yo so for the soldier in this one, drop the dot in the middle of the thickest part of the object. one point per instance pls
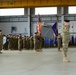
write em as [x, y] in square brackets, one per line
[4, 42]
[23, 38]
[65, 40]
[36, 42]
[25, 41]
[59, 42]
[7, 42]
[1, 41]
[20, 42]
[10, 42]
[41, 41]
[16, 39]
[31, 43]
[28, 43]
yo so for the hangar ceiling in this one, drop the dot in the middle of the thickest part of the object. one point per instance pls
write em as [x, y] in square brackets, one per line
[35, 3]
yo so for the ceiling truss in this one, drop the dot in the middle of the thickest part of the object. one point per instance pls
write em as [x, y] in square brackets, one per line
[35, 3]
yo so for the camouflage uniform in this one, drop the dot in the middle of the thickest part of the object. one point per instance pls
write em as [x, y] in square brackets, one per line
[59, 42]
[20, 43]
[7, 42]
[10, 42]
[65, 41]
[31, 43]
[28, 43]
[1, 42]
[36, 42]
[23, 42]
[16, 42]
[41, 41]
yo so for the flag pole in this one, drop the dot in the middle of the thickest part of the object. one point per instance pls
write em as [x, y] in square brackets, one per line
[46, 32]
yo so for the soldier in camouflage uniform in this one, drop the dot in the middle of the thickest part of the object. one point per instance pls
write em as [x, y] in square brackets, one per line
[28, 43]
[1, 41]
[65, 40]
[25, 42]
[31, 43]
[23, 38]
[20, 42]
[10, 42]
[40, 42]
[36, 42]
[59, 42]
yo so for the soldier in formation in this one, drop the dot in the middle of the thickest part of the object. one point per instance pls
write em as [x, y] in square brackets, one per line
[1, 41]
[31, 43]
[20, 42]
[38, 42]
[59, 42]
[17, 42]
[65, 40]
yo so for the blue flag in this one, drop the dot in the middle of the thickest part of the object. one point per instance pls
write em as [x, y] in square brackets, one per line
[72, 39]
[75, 39]
[55, 40]
[55, 29]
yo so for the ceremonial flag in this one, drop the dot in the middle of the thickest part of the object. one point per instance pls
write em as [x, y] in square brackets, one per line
[39, 26]
[55, 29]
[72, 39]
[75, 40]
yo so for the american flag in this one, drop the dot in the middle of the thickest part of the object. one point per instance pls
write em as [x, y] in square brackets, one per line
[39, 26]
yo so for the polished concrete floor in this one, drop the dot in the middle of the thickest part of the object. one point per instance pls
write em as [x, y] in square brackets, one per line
[48, 62]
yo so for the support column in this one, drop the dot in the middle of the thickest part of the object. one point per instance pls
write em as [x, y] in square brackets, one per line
[32, 11]
[29, 22]
[66, 10]
[58, 10]
[62, 15]
[25, 11]
[33, 25]
[62, 12]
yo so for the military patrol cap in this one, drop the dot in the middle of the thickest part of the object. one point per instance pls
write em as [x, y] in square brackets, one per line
[66, 23]
[67, 20]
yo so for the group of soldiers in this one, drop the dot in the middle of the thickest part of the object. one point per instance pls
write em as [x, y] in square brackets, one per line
[17, 42]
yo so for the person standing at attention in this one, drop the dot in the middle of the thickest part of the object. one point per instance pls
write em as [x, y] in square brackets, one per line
[65, 40]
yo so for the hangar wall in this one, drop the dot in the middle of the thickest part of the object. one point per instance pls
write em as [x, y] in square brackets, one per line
[50, 20]
[21, 22]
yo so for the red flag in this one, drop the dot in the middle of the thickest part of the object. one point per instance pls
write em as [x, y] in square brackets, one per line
[39, 26]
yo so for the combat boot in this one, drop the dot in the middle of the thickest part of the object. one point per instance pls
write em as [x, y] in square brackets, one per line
[0, 52]
[59, 50]
[65, 59]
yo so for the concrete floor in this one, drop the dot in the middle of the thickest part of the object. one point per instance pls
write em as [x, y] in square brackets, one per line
[48, 62]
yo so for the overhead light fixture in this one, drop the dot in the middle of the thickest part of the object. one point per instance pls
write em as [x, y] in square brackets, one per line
[11, 3]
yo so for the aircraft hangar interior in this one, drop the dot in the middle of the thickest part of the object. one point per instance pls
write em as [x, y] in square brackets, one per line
[37, 37]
